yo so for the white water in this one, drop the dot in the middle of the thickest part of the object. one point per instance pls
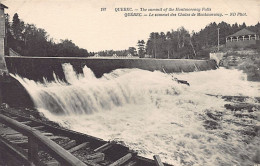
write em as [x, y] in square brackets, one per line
[152, 114]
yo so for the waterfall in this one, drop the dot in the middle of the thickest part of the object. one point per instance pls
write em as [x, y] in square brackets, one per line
[153, 114]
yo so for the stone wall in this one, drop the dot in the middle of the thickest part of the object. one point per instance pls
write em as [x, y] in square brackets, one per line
[241, 43]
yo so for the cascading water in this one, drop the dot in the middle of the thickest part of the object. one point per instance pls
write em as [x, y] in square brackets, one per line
[152, 114]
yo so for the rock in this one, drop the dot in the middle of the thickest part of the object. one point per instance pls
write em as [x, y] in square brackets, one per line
[239, 115]
[214, 116]
[4, 106]
[251, 133]
[256, 158]
[236, 98]
[244, 157]
[210, 124]
[242, 106]
[257, 128]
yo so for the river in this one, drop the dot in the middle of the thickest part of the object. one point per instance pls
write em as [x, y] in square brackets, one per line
[153, 114]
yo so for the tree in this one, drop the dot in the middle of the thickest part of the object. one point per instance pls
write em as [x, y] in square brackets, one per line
[235, 28]
[141, 50]
[243, 25]
[17, 27]
[168, 43]
[183, 34]
[9, 40]
[132, 50]
[28, 40]
[191, 43]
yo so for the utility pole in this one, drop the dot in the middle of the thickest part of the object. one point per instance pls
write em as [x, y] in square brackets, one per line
[218, 39]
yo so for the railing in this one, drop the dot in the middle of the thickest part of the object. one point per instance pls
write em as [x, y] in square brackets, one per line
[36, 139]
[241, 39]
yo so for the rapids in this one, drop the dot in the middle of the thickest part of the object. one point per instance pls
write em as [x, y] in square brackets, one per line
[153, 114]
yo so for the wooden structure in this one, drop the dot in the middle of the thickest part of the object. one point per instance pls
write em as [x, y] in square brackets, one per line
[30, 142]
[158, 160]
[3, 68]
[36, 139]
[242, 38]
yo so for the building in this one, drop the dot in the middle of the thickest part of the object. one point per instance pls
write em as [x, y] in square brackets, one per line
[242, 38]
[2, 39]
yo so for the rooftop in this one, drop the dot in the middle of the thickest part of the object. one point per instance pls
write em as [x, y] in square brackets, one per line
[242, 32]
[2, 6]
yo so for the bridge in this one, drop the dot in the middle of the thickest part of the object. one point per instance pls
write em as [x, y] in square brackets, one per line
[27, 141]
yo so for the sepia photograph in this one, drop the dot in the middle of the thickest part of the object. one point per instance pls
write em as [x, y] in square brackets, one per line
[129, 83]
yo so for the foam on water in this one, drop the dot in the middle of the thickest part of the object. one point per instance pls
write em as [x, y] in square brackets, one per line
[152, 114]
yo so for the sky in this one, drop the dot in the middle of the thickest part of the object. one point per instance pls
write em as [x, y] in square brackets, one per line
[83, 22]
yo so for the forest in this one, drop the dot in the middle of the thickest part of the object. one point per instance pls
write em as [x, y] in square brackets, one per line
[181, 43]
[28, 40]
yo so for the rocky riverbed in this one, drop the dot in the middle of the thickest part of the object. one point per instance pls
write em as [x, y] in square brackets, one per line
[249, 63]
